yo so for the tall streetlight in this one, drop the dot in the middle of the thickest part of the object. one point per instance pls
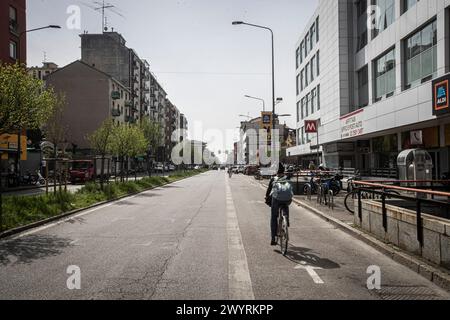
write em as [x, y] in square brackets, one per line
[52, 26]
[255, 98]
[19, 147]
[273, 68]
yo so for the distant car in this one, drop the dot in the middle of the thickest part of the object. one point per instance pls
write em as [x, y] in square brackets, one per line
[159, 167]
[197, 168]
[171, 167]
[250, 170]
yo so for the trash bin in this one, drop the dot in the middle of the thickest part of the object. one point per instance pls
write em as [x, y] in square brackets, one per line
[415, 165]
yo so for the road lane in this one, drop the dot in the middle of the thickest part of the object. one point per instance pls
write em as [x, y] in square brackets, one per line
[338, 259]
[200, 238]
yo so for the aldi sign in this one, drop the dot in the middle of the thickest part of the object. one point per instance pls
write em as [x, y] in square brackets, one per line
[441, 96]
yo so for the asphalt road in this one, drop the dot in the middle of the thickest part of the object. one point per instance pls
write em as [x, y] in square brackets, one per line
[206, 237]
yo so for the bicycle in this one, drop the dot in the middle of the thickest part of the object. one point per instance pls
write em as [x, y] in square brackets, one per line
[283, 228]
[364, 195]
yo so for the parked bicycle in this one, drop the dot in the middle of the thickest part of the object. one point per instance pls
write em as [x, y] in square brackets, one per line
[349, 200]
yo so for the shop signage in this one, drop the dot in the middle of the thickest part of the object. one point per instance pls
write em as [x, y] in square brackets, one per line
[311, 126]
[416, 138]
[441, 96]
[352, 124]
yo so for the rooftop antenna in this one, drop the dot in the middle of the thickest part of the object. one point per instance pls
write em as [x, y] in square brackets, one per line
[103, 7]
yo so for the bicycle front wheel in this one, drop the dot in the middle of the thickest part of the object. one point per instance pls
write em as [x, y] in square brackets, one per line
[349, 202]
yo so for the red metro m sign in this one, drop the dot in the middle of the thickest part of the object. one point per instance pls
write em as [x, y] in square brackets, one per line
[311, 126]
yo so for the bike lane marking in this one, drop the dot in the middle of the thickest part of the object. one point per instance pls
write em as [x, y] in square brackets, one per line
[239, 281]
[311, 271]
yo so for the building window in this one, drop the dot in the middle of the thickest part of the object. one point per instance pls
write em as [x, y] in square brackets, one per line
[384, 74]
[307, 45]
[318, 97]
[317, 29]
[302, 107]
[13, 50]
[361, 10]
[421, 55]
[313, 67]
[302, 80]
[312, 38]
[387, 15]
[297, 58]
[307, 100]
[363, 87]
[306, 75]
[313, 100]
[317, 63]
[408, 4]
[298, 111]
[13, 25]
[302, 51]
[298, 84]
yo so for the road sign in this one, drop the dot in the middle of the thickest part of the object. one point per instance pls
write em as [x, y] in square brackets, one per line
[311, 126]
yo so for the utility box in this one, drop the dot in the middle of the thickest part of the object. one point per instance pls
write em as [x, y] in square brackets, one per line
[415, 165]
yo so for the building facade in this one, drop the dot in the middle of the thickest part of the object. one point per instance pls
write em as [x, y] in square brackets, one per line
[368, 80]
[13, 39]
[92, 97]
[108, 52]
[41, 72]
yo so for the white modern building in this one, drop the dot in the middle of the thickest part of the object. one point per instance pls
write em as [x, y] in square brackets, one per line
[368, 76]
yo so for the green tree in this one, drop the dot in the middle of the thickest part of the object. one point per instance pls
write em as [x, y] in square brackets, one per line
[100, 141]
[127, 141]
[153, 135]
[24, 103]
[55, 132]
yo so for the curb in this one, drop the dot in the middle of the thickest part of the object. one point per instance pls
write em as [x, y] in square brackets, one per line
[434, 274]
[15, 231]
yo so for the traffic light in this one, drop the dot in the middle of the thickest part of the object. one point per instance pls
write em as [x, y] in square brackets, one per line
[266, 124]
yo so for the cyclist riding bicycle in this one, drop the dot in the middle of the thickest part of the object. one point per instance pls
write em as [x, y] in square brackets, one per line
[279, 193]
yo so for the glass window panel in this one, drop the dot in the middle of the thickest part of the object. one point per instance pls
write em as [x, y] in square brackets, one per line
[427, 63]
[415, 68]
[390, 81]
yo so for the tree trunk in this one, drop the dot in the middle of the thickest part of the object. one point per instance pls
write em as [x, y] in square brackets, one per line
[102, 172]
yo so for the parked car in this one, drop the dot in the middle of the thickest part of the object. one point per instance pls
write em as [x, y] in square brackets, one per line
[159, 167]
[250, 170]
[171, 167]
[85, 170]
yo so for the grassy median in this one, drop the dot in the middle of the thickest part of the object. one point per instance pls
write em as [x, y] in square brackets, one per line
[22, 210]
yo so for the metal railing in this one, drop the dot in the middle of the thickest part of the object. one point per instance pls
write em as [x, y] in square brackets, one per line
[382, 191]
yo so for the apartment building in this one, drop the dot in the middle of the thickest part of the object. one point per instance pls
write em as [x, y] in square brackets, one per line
[92, 96]
[41, 72]
[368, 77]
[13, 39]
[108, 52]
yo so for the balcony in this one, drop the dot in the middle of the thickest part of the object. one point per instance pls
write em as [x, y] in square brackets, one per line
[115, 112]
[128, 104]
[115, 95]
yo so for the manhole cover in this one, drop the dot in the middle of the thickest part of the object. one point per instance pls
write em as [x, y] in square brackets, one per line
[406, 293]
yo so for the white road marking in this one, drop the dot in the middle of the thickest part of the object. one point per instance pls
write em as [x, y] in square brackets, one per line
[148, 244]
[311, 271]
[239, 281]
[74, 242]
[123, 219]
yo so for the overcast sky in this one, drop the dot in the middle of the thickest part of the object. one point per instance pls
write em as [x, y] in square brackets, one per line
[205, 64]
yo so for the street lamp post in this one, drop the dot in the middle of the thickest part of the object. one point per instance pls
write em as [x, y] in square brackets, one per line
[273, 70]
[19, 147]
[255, 98]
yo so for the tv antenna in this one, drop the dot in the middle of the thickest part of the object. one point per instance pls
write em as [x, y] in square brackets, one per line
[104, 7]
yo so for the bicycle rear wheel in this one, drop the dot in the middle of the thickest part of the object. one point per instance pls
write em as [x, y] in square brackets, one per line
[284, 235]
